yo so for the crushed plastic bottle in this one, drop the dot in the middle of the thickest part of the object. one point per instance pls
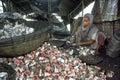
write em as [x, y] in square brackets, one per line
[3, 75]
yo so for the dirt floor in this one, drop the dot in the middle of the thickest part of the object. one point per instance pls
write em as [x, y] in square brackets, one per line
[111, 64]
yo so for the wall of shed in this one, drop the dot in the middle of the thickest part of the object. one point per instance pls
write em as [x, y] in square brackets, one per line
[105, 18]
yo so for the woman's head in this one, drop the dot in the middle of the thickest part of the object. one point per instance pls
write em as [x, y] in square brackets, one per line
[87, 20]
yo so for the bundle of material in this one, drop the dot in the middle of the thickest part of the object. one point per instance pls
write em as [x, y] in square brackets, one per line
[49, 62]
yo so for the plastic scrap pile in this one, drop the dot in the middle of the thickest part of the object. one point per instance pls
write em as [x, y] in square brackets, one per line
[86, 51]
[3, 75]
[9, 15]
[50, 63]
[10, 30]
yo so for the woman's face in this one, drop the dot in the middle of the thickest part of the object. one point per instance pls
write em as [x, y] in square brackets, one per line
[86, 21]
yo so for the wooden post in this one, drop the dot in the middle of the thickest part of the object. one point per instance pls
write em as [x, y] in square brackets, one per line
[118, 14]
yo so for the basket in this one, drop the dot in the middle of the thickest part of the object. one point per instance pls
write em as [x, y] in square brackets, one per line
[23, 44]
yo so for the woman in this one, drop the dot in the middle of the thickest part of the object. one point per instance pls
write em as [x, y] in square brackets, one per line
[87, 33]
[89, 36]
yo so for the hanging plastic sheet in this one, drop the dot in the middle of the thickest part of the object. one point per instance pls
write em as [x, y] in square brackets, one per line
[59, 30]
[46, 5]
[105, 16]
[108, 9]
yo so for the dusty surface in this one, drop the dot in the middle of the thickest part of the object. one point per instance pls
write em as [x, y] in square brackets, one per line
[111, 64]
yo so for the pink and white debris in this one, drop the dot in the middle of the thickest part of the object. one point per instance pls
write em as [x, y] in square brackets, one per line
[50, 63]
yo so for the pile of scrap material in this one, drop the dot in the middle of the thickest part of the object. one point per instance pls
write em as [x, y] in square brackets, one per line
[10, 30]
[49, 62]
[10, 15]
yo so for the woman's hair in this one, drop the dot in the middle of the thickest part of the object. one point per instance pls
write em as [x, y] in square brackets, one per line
[87, 17]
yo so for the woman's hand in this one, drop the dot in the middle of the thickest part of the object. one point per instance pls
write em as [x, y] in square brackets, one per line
[81, 44]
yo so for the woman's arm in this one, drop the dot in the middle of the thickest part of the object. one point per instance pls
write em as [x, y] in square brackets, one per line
[87, 43]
